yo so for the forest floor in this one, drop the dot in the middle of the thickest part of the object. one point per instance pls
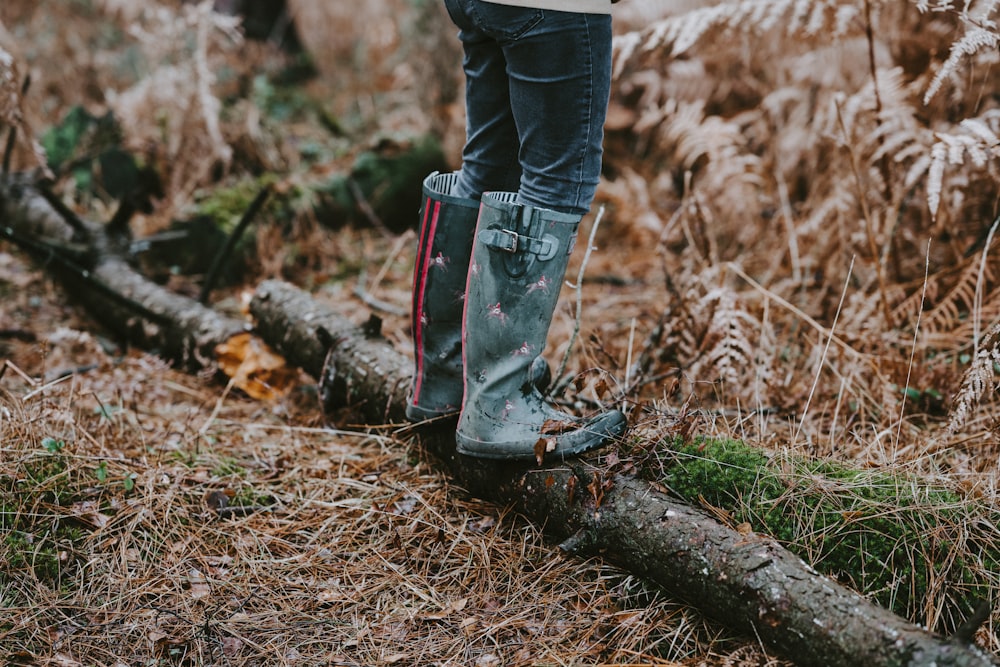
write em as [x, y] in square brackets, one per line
[737, 287]
[356, 549]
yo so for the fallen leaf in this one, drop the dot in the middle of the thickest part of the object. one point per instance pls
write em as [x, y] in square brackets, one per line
[231, 646]
[199, 585]
[541, 447]
[254, 367]
[557, 426]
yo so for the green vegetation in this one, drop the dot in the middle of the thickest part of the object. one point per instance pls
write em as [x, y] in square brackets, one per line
[911, 546]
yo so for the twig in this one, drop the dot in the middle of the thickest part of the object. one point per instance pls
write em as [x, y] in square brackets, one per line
[826, 349]
[14, 367]
[913, 348]
[628, 359]
[797, 311]
[46, 252]
[977, 308]
[227, 249]
[366, 208]
[873, 69]
[579, 293]
[366, 293]
[8, 151]
[869, 223]
[118, 225]
[22, 335]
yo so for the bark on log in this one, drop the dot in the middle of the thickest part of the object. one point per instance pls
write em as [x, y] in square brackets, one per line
[748, 582]
[116, 295]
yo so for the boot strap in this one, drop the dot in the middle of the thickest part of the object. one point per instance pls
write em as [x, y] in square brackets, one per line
[510, 241]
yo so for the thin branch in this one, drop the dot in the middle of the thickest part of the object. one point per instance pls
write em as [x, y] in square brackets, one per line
[48, 254]
[579, 293]
[869, 223]
[913, 348]
[826, 350]
[227, 249]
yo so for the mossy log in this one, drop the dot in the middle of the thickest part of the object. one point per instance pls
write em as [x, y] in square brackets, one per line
[96, 273]
[743, 579]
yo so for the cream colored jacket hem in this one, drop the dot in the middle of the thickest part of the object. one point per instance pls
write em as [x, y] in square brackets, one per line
[581, 6]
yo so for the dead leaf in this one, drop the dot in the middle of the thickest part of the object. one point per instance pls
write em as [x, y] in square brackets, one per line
[254, 367]
[231, 646]
[483, 524]
[218, 499]
[541, 446]
[87, 510]
[451, 608]
[557, 426]
[198, 584]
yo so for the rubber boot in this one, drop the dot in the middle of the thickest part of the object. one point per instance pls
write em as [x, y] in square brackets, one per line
[444, 246]
[518, 264]
[447, 225]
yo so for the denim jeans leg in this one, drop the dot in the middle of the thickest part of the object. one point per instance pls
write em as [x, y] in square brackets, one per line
[490, 155]
[537, 88]
[560, 82]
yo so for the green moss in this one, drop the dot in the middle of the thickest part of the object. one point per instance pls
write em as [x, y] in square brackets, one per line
[226, 205]
[887, 535]
[36, 539]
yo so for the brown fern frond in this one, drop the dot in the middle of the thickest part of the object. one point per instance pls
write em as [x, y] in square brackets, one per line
[794, 19]
[977, 39]
[958, 301]
[729, 347]
[977, 379]
[977, 145]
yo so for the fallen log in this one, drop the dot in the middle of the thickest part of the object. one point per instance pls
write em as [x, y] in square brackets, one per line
[745, 580]
[78, 253]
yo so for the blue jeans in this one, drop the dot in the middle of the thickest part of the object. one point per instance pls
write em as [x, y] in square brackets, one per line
[537, 88]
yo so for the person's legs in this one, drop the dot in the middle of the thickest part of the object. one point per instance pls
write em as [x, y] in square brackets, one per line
[558, 69]
[537, 88]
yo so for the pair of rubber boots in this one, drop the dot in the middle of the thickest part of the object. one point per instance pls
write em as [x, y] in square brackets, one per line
[486, 284]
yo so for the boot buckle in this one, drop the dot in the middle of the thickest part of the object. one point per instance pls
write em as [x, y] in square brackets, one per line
[511, 242]
[512, 238]
[500, 239]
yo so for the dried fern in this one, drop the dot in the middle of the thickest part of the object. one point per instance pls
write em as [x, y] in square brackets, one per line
[977, 380]
[729, 347]
[175, 102]
[980, 35]
[977, 145]
[807, 19]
